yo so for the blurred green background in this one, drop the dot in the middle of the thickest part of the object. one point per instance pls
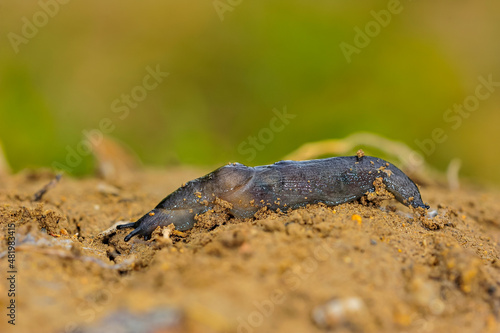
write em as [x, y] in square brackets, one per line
[230, 63]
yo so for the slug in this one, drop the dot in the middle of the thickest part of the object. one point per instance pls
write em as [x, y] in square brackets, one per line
[282, 185]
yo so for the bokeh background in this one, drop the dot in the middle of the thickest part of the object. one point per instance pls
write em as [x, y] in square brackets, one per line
[228, 71]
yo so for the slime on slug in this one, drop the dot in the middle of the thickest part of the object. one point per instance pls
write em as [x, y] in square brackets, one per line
[289, 184]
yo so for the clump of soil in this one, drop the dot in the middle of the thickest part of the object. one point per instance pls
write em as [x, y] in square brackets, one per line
[364, 266]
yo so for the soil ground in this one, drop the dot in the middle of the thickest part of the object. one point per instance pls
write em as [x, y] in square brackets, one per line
[349, 268]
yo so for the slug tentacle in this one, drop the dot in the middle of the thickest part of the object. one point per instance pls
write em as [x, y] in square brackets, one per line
[282, 185]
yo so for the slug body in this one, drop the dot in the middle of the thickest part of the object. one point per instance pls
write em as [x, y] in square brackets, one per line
[282, 185]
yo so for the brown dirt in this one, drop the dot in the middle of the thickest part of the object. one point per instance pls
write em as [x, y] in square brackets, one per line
[350, 268]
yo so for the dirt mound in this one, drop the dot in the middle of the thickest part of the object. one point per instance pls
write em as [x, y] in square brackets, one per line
[354, 267]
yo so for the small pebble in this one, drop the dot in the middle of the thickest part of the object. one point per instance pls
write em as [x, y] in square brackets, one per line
[338, 311]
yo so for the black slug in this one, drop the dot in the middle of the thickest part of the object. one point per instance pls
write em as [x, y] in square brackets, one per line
[282, 185]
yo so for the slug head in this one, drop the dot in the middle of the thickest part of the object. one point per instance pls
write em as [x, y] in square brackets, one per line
[147, 224]
[183, 219]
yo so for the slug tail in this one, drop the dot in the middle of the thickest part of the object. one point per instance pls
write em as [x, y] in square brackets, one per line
[403, 188]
